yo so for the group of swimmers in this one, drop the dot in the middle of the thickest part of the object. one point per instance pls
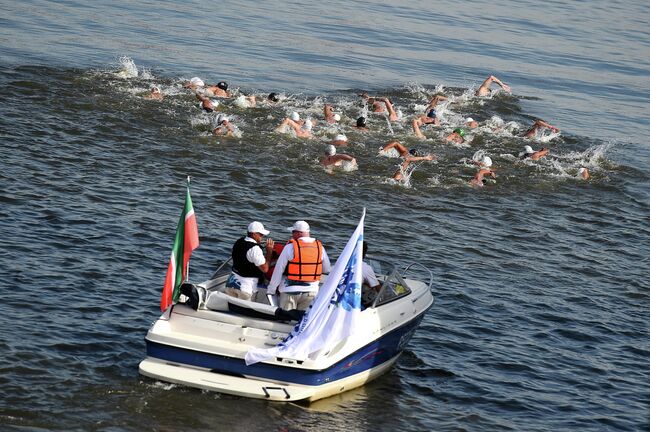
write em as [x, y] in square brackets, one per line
[208, 97]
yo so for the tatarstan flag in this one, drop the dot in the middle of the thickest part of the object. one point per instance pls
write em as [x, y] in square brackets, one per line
[187, 239]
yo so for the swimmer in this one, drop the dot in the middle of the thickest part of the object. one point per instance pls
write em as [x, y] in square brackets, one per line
[404, 152]
[155, 94]
[194, 83]
[333, 159]
[218, 90]
[373, 103]
[224, 127]
[485, 162]
[340, 140]
[470, 123]
[457, 136]
[431, 117]
[392, 115]
[434, 102]
[206, 104]
[484, 89]
[292, 121]
[583, 173]
[531, 154]
[273, 98]
[479, 179]
[361, 124]
[303, 131]
[243, 101]
[413, 156]
[538, 125]
[330, 115]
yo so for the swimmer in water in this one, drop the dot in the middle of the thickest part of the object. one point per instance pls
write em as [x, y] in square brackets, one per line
[293, 121]
[457, 136]
[434, 102]
[413, 156]
[392, 115]
[194, 84]
[206, 104]
[479, 178]
[340, 140]
[243, 101]
[155, 94]
[218, 90]
[303, 131]
[531, 154]
[224, 127]
[484, 163]
[470, 123]
[403, 151]
[583, 173]
[538, 125]
[362, 124]
[431, 117]
[330, 115]
[333, 159]
[484, 89]
[273, 98]
[373, 103]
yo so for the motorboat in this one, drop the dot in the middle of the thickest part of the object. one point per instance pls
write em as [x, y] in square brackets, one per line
[202, 340]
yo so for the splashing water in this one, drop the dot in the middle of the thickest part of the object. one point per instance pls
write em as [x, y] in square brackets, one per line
[128, 69]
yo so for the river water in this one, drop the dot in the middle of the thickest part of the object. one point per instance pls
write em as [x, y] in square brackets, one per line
[541, 278]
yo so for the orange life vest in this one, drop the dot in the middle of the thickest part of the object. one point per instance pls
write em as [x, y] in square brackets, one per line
[307, 262]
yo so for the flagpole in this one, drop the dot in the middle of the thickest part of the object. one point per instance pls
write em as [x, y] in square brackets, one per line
[187, 270]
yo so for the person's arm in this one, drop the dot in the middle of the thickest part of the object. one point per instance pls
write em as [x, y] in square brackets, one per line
[326, 261]
[344, 157]
[434, 102]
[498, 81]
[539, 154]
[280, 265]
[546, 125]
[420, 158]
[392, 115]
[416, 128]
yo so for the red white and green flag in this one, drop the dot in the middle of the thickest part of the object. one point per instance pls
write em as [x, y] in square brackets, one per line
[187, 239]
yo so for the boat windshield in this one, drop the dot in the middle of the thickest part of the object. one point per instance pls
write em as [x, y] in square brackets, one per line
[393, 285]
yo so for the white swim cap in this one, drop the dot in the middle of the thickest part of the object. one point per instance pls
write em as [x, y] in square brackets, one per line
[337, 117]
[295, 116]
[197, 82]
[308, 125]
[330, 150]
[582, 170]
[528, 149]
[469, 120]
[340, 137]
[487, 161]
[155, 89]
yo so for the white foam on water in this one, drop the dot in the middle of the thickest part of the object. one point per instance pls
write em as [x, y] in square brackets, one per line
[128, 69]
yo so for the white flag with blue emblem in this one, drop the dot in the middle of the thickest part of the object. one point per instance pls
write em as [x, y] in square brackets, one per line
[333, 315]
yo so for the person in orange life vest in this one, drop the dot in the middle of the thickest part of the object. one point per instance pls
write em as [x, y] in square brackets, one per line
[299, 268]
[249, 262]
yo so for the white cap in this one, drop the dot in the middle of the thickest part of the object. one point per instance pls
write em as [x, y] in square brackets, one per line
[582, 170]
[197, 82]
[469, 120]
[340, 137]
[487, 161]
[330, 150]
[221, 118]
[308, 125]
[295, 116]
[299, 226]
[529, 149]
[337, 117]
[155, 89]
[257, 227]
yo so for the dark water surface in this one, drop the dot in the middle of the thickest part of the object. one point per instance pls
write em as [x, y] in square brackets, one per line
[542, 293]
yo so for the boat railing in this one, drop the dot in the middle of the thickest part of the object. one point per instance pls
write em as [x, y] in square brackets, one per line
[421, 267]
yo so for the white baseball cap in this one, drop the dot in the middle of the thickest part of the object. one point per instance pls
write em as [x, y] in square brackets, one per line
[299, 226]
[257, 227]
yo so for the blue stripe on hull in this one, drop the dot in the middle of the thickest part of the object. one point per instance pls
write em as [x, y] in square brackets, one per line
[373, 354]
